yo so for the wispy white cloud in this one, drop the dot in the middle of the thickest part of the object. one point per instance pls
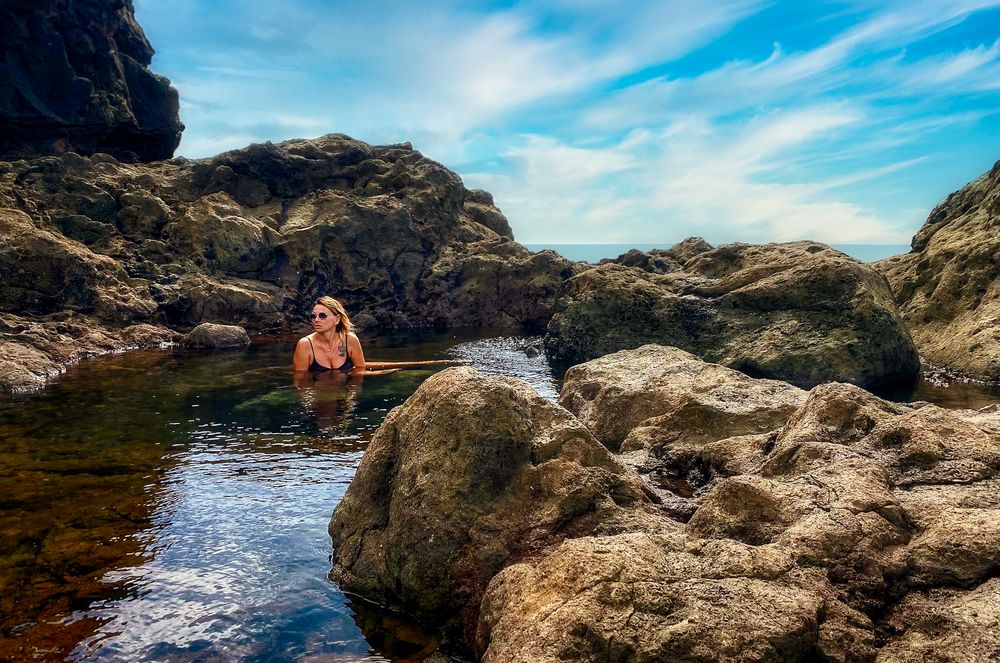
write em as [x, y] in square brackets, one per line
[694, 177]
[594, 121]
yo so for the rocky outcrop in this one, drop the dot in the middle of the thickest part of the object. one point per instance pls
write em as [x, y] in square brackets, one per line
[470, 473]
[211, 336]
[33, 351]
[252, 237]
[76, 79]
[948, 286]
[855, 530]
[800, 312]
[682, 422]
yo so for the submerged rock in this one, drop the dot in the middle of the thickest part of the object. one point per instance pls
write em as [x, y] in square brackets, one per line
[212, 336]
[948, 286]
[855, 532]
[800, 312]
[76, 79]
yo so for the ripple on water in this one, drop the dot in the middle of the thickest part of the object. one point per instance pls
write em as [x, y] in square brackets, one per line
[506, 356]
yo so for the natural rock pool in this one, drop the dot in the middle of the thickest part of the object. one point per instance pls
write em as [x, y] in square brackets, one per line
[162, 505]
[169, 506]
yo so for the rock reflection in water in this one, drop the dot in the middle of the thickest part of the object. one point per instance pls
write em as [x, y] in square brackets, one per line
[77, 503]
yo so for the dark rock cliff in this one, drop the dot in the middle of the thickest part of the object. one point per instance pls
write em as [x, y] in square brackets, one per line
[75, 78]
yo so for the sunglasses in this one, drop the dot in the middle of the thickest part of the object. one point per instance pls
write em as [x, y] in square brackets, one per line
[320, 315]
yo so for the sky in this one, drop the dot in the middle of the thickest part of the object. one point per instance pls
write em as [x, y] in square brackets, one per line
[593, 121]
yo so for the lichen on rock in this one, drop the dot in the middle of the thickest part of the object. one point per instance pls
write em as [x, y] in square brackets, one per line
[800, 312]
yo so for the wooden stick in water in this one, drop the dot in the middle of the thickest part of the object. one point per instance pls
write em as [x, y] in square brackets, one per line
[376, 365]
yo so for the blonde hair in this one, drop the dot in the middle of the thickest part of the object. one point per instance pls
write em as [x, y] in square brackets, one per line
[344, 324]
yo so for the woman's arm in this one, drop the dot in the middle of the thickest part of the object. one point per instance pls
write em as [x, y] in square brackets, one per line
[355, 352]
[303, 355]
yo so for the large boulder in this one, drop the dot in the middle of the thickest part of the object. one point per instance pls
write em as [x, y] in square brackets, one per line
[835, 541]
[211, 336]
[669, 389]
[948, 286]
[860, 529]
[800, 312]
[76, 79]
[469, 474]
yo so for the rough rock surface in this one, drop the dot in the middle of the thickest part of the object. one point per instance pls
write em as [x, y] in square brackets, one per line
[470, 473]
[679, 420]
[861, 530]
[33, 351]
[75, 78]
[948, 286]
[800, 312]
[212, 336]
[252, 237]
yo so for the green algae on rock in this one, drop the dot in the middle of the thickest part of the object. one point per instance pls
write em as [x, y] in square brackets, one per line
[800, 312]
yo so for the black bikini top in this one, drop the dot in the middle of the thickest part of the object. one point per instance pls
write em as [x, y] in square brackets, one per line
[317, 367]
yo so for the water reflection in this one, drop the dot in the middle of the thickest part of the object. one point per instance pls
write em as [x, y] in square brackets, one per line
[331, 397]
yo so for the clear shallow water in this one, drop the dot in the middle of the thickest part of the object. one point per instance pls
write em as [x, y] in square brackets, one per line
[598, 252]
[164, 506]
[167, 506]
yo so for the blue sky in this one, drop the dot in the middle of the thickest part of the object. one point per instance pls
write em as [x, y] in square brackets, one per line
[600, 121]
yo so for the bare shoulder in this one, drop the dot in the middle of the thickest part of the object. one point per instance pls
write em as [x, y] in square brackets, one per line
[303, 341]
[351, 336]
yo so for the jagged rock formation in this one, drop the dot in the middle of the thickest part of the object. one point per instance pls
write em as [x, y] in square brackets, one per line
[948, 286]
[76, 78]
[855, 530]
[252, 237]
[800, 312]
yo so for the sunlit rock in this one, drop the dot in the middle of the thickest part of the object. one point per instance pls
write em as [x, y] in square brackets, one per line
[948, 286]
[800, 312]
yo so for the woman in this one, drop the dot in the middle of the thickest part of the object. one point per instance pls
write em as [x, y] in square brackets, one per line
[333, 345]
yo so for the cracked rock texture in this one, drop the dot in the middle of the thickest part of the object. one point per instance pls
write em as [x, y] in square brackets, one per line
[948, 286]
[76, 79]
[469, 474]
[799, 312]
[855, 529]
[250, 238]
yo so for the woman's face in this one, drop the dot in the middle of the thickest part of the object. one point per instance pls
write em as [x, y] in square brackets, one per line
[323, 319]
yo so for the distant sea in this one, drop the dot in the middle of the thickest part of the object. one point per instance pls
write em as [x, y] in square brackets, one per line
[597, 252]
